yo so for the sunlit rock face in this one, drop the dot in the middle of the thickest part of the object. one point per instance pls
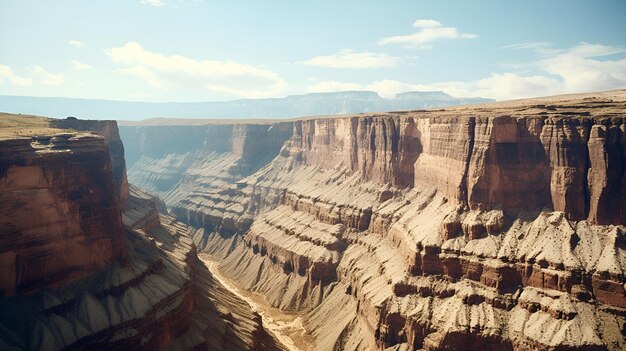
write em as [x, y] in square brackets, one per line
[88, 262]
[496, 226]
[110, 132]
[60, 217]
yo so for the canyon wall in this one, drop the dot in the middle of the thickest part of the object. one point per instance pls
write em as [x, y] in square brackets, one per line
[110, 132]
[90, 263]
[59, 204]
[497, 226]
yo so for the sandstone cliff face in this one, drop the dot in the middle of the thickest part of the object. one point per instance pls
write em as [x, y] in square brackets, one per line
[162, 297]
[110, 132]
[59, 204]
[381, 149]
[494, 227]
[80, 273]
[189, 172]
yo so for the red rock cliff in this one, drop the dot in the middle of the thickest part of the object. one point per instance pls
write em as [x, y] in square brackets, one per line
[110, 132]
[567, 163]
[75, 274]
[60, 218]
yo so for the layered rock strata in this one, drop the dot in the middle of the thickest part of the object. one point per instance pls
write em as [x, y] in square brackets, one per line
[59, 203]
[80, 273]
[500, 226]
[110, 132]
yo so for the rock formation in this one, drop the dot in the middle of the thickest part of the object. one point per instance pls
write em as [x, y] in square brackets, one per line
[89, 264]
[60, 217]
[499, 226]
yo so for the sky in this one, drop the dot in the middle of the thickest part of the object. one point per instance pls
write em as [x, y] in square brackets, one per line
[202, 50]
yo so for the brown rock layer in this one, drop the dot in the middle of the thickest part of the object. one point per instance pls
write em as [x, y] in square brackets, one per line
[110, 132]
[498, 226]
[381, 149]
[75, 277]
[60, 218]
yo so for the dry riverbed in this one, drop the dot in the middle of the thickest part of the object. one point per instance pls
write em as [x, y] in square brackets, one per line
[286, 327]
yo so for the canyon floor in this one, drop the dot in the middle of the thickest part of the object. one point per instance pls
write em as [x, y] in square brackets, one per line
[286, 327]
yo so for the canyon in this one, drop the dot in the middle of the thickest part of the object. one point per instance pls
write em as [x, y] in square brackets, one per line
[497, 226]
[89, 262]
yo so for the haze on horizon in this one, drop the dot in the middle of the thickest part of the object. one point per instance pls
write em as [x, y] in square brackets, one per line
[200, 50]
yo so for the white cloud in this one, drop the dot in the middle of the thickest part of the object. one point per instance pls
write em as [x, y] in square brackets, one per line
[430, 31]
[80, 66]
[502, 86]
[427, 23]
[386, 88]
[389, 88]
[498, 86]
[586, 50]
[535, 45]
[147, 75]
[351, 59]
[581, 70]
[170, 3]
[577, 69]
[330, 86]
[7, 75]
[176, 71]
[153, 2]
[583, 49]
[76, 43]
[45, 77]
[38, 73]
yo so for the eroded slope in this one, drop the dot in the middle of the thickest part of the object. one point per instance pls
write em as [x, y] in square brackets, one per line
[496, 227]
[88, 264]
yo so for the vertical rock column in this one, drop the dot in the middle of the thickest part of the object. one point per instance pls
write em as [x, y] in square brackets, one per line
[607, 173]
[565, 143]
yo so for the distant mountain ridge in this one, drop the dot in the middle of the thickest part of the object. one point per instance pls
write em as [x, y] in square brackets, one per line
[290, 106]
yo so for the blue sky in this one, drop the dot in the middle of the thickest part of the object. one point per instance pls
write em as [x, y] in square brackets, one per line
[201, 50]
